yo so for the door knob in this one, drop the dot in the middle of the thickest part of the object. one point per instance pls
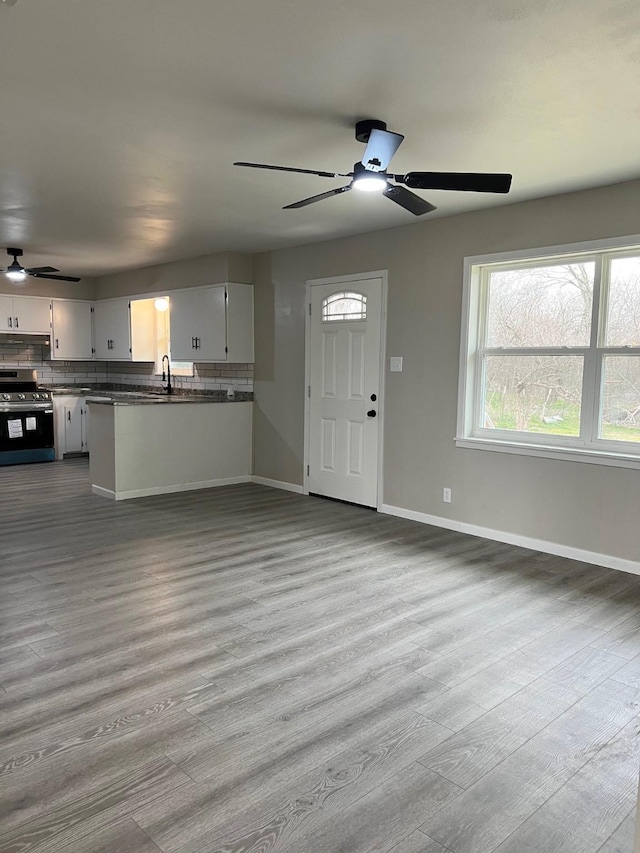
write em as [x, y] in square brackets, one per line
[371, 413]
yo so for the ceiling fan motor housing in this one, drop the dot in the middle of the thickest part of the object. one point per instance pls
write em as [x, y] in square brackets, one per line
[364, 128]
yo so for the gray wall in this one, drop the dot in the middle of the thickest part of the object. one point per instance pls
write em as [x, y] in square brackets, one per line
[84, 289]
[576, 504]
[192, 272]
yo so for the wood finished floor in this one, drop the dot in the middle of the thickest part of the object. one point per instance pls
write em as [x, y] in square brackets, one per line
[244, 670]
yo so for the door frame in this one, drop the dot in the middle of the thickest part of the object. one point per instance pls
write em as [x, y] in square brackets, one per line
[346, 280]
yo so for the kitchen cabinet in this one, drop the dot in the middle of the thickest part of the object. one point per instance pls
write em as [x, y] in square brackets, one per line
[112, 330]
[212, 324]
[30, 314]
[198, 324]
[124, 330]
[71, 425]
[71, 330]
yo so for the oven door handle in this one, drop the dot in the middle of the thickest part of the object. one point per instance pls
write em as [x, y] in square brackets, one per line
[26, 407]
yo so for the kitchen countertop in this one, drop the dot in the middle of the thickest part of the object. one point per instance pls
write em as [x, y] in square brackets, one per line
[126, 396]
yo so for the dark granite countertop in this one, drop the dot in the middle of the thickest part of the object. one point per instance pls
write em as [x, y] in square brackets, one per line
[134, 395]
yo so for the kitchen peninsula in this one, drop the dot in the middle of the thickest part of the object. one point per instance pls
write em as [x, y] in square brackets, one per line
[158, 444]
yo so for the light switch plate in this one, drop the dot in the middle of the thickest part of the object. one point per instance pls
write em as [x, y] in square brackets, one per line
[395, 364]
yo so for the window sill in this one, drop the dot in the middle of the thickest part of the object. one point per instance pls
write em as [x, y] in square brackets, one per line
[594, 457]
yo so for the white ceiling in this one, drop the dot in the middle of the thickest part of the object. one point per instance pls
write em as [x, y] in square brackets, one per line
[120, 119]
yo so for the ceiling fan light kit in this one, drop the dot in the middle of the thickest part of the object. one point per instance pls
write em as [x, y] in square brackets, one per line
[368, 181]
[17, 273]
[371, 175]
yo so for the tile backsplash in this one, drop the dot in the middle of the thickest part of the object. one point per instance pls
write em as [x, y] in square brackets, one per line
[208, 377]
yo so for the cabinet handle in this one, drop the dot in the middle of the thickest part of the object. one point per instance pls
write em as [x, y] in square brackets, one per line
[69, 416]
[17, 327]
[10, 321]
[56, 343]
[197, 343]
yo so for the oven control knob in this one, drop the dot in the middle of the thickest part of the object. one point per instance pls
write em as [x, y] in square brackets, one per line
[22, 397]
[36, 396]
[6, 396]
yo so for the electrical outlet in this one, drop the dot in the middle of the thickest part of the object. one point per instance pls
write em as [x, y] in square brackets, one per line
[446, 495]
[395, 364]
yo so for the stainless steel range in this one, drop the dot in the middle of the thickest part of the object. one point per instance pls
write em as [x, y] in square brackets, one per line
[26, 419]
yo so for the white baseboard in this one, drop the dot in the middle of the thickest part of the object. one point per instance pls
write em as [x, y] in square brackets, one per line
[278, 484]
[559, 550]
[104, 493]
[170, 489]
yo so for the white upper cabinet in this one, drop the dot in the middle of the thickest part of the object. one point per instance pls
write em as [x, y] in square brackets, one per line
[25, 313]
[112, 330]
[198, 324]
[71, 334]
[212, 324]
[124, 330]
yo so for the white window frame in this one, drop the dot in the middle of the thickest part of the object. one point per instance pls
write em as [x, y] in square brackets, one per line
[356, 317]
[587, 447]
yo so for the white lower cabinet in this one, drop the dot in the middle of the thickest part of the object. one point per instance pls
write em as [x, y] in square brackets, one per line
[71, 425]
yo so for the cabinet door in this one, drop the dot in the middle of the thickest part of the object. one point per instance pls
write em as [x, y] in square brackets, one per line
[31, 314]
[198, 324]
[6, 313]
[183, 325]
[212, 334]
[84, 425]
[71, 332]
[73, 427]
[112, 330]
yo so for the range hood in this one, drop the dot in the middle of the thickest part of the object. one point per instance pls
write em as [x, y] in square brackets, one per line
[19, 338]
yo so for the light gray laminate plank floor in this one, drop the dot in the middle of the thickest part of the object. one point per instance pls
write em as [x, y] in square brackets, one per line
[245, 670]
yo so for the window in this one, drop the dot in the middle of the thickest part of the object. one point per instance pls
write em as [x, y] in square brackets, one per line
[551, 355]
[344, 306]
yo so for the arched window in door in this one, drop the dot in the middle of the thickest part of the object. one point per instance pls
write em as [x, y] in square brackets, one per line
[344, 306]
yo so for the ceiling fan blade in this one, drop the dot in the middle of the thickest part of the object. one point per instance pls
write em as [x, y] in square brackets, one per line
[9, 2]
[35, 270]
[56, 277]
[477, 182]
[315, 198]
[292, 169]
[380, 149]
[410, 201]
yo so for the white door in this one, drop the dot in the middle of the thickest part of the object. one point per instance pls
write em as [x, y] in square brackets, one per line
[345, 333]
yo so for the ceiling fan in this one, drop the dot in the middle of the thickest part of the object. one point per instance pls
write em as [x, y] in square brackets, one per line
[9, 2]
[371, 175]
[16, 272]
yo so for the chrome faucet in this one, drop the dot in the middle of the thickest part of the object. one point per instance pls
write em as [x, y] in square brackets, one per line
[167, 376]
